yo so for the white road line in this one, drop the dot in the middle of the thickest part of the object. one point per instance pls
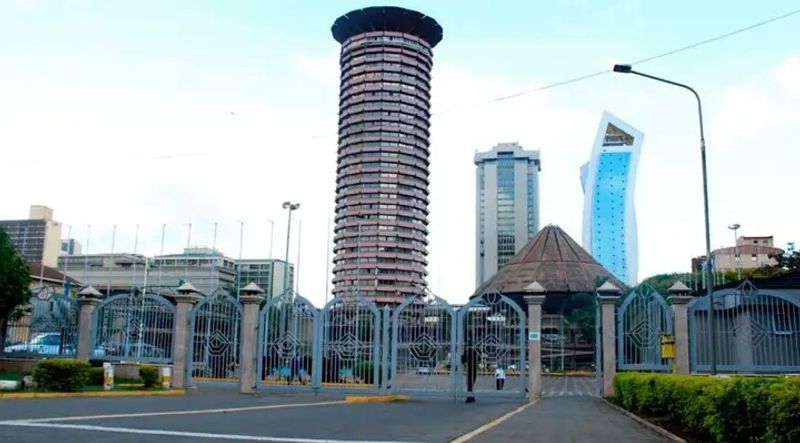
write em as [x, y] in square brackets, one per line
[186, 412]
[472, 434]
[183, 434]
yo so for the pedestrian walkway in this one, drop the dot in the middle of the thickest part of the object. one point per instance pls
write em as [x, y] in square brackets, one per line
[560, 386]
[564, 419]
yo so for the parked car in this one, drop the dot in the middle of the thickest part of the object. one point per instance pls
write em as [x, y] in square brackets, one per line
[424, 370]
[48, 343]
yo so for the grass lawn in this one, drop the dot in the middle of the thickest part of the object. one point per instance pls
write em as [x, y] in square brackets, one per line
[11, 375]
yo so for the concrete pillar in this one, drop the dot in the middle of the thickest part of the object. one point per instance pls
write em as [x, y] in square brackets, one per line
[534, 297]
[679, 299]
[251, 297]
[88, 300]
[181, 348]
[608, 295]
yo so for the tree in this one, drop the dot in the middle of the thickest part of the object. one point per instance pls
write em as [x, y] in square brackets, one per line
[14, 283]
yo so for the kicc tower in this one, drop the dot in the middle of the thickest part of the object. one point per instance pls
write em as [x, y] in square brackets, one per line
[380, 241]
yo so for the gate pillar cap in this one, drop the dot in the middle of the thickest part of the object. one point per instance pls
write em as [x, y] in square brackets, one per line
[608, 292]
[251, 299]
[534, 293]
[89, 292]
[252, 289]
[679, 288]
[186, 288]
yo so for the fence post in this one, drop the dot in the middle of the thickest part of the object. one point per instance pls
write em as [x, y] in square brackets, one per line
[534, 297]
[385, 352]
[608, 295]
[184, 302]
[89, 298]
[679, 299]
[251, 298]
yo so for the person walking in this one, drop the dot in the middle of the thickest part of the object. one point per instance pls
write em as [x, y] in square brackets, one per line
[500, 377]
[469, 359]
[294, 369]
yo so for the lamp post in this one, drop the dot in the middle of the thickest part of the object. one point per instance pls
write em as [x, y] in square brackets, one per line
[735, 227]
[626, 69]
[291, 207]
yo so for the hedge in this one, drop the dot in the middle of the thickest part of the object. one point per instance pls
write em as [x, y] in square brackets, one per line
[721, 409]
[149, 375]
[61, 374]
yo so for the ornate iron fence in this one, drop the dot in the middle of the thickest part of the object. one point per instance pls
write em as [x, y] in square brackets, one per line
[642, 319]
[757, 330]
[46, 326]
[288, 343]
[491, 342]
[215, 331]
[423, 346]
[134, 327]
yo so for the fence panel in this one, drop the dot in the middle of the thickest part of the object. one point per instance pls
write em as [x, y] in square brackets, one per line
[46, 326]
[423, 338]
[134, 327]
[350, 332]
[642, 319]
[491, 337]
[757, 331]
[288, 344]
[214, 334]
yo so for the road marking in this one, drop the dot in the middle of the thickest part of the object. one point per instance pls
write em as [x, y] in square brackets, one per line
[186, 412]
[182, 433]
[472, 434]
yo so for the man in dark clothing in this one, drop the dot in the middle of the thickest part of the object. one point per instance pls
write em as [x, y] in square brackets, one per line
[469, 359]
[294, 368]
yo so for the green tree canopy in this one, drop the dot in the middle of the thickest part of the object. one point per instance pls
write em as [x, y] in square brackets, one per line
[14, 283]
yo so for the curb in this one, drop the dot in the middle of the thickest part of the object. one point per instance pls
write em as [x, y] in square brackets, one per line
[376, 398]
[657, 429]
[32, 395]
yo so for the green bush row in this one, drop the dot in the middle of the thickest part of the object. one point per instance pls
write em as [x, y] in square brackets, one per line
[721, 409]
[68, 375]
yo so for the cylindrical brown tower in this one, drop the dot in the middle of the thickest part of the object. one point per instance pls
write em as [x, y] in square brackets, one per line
[382, 173]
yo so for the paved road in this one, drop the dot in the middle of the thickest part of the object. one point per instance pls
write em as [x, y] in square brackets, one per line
[568, 386]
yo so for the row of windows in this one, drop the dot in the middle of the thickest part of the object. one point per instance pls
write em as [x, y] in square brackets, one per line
[390, 228]
[416, 71]
[343, 138]
[355, 187]
[365, 126]
[398, 260]
[386, 39]
[375, 76]
[349, 100]
[399, 218]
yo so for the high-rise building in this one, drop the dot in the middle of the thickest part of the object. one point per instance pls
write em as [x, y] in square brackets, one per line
[37, 239]
[271, 275]
[205, 268]
[507, 205]
[609, 182]
[70, 246]
[383, 157]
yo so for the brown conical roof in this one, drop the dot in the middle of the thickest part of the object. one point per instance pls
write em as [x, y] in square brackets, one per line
[553, 259]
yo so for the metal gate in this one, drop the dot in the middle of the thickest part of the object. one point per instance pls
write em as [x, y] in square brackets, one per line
[46, 326]
[757, 331]
[288, 343]
[424, 346]
[134, 327]
[642, 319]
[215, 329]
[350, 332]
[491, 336]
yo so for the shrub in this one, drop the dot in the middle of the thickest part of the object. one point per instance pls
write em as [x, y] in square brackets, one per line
[149, 375]
[61, 374]
[723, 409]
[94, 376]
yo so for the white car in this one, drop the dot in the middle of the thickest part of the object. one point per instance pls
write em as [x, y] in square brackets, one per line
[48, 343]
[424, 370]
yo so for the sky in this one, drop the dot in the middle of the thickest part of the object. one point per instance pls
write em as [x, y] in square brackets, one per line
[169, 113]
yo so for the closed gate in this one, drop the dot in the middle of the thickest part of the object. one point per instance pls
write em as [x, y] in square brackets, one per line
[46, 326]
[491, 341]
[288, 343]
[423, 346]
[134, 327]
[214, 333]
[351, 343]
[642, 319]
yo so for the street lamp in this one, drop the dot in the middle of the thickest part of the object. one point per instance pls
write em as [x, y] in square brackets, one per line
[626, 69]
[291, 207]
[735, 227]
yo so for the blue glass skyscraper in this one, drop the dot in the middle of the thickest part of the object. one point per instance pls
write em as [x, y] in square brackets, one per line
[609, 213]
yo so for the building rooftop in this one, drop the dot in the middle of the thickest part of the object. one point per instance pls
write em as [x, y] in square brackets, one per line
[387, 18]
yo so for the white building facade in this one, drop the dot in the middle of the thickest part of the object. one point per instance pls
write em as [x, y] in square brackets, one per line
[609, 213]
[507, 205]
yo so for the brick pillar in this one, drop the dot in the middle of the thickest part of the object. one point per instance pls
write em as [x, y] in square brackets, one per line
[87, 303]
[534, 298]
[679, 299]
[608, 295]
[184, 301]
[251, 297]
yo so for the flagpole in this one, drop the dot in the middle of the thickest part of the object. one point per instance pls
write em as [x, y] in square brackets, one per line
[327, 262]
[86, 257]
[161, 253]
[239, 266]
[111, 269]
[66, 261]
[185, 257]
[297, 271]
[214, 279]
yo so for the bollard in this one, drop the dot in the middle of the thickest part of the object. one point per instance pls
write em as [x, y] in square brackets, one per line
[108, 376]
[166, 377]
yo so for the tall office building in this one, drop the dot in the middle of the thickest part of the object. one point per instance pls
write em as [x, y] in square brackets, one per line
[507, 205]
[609, 182]
[37, 239]
[271, 275]
[383, 157]
[205, 268]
